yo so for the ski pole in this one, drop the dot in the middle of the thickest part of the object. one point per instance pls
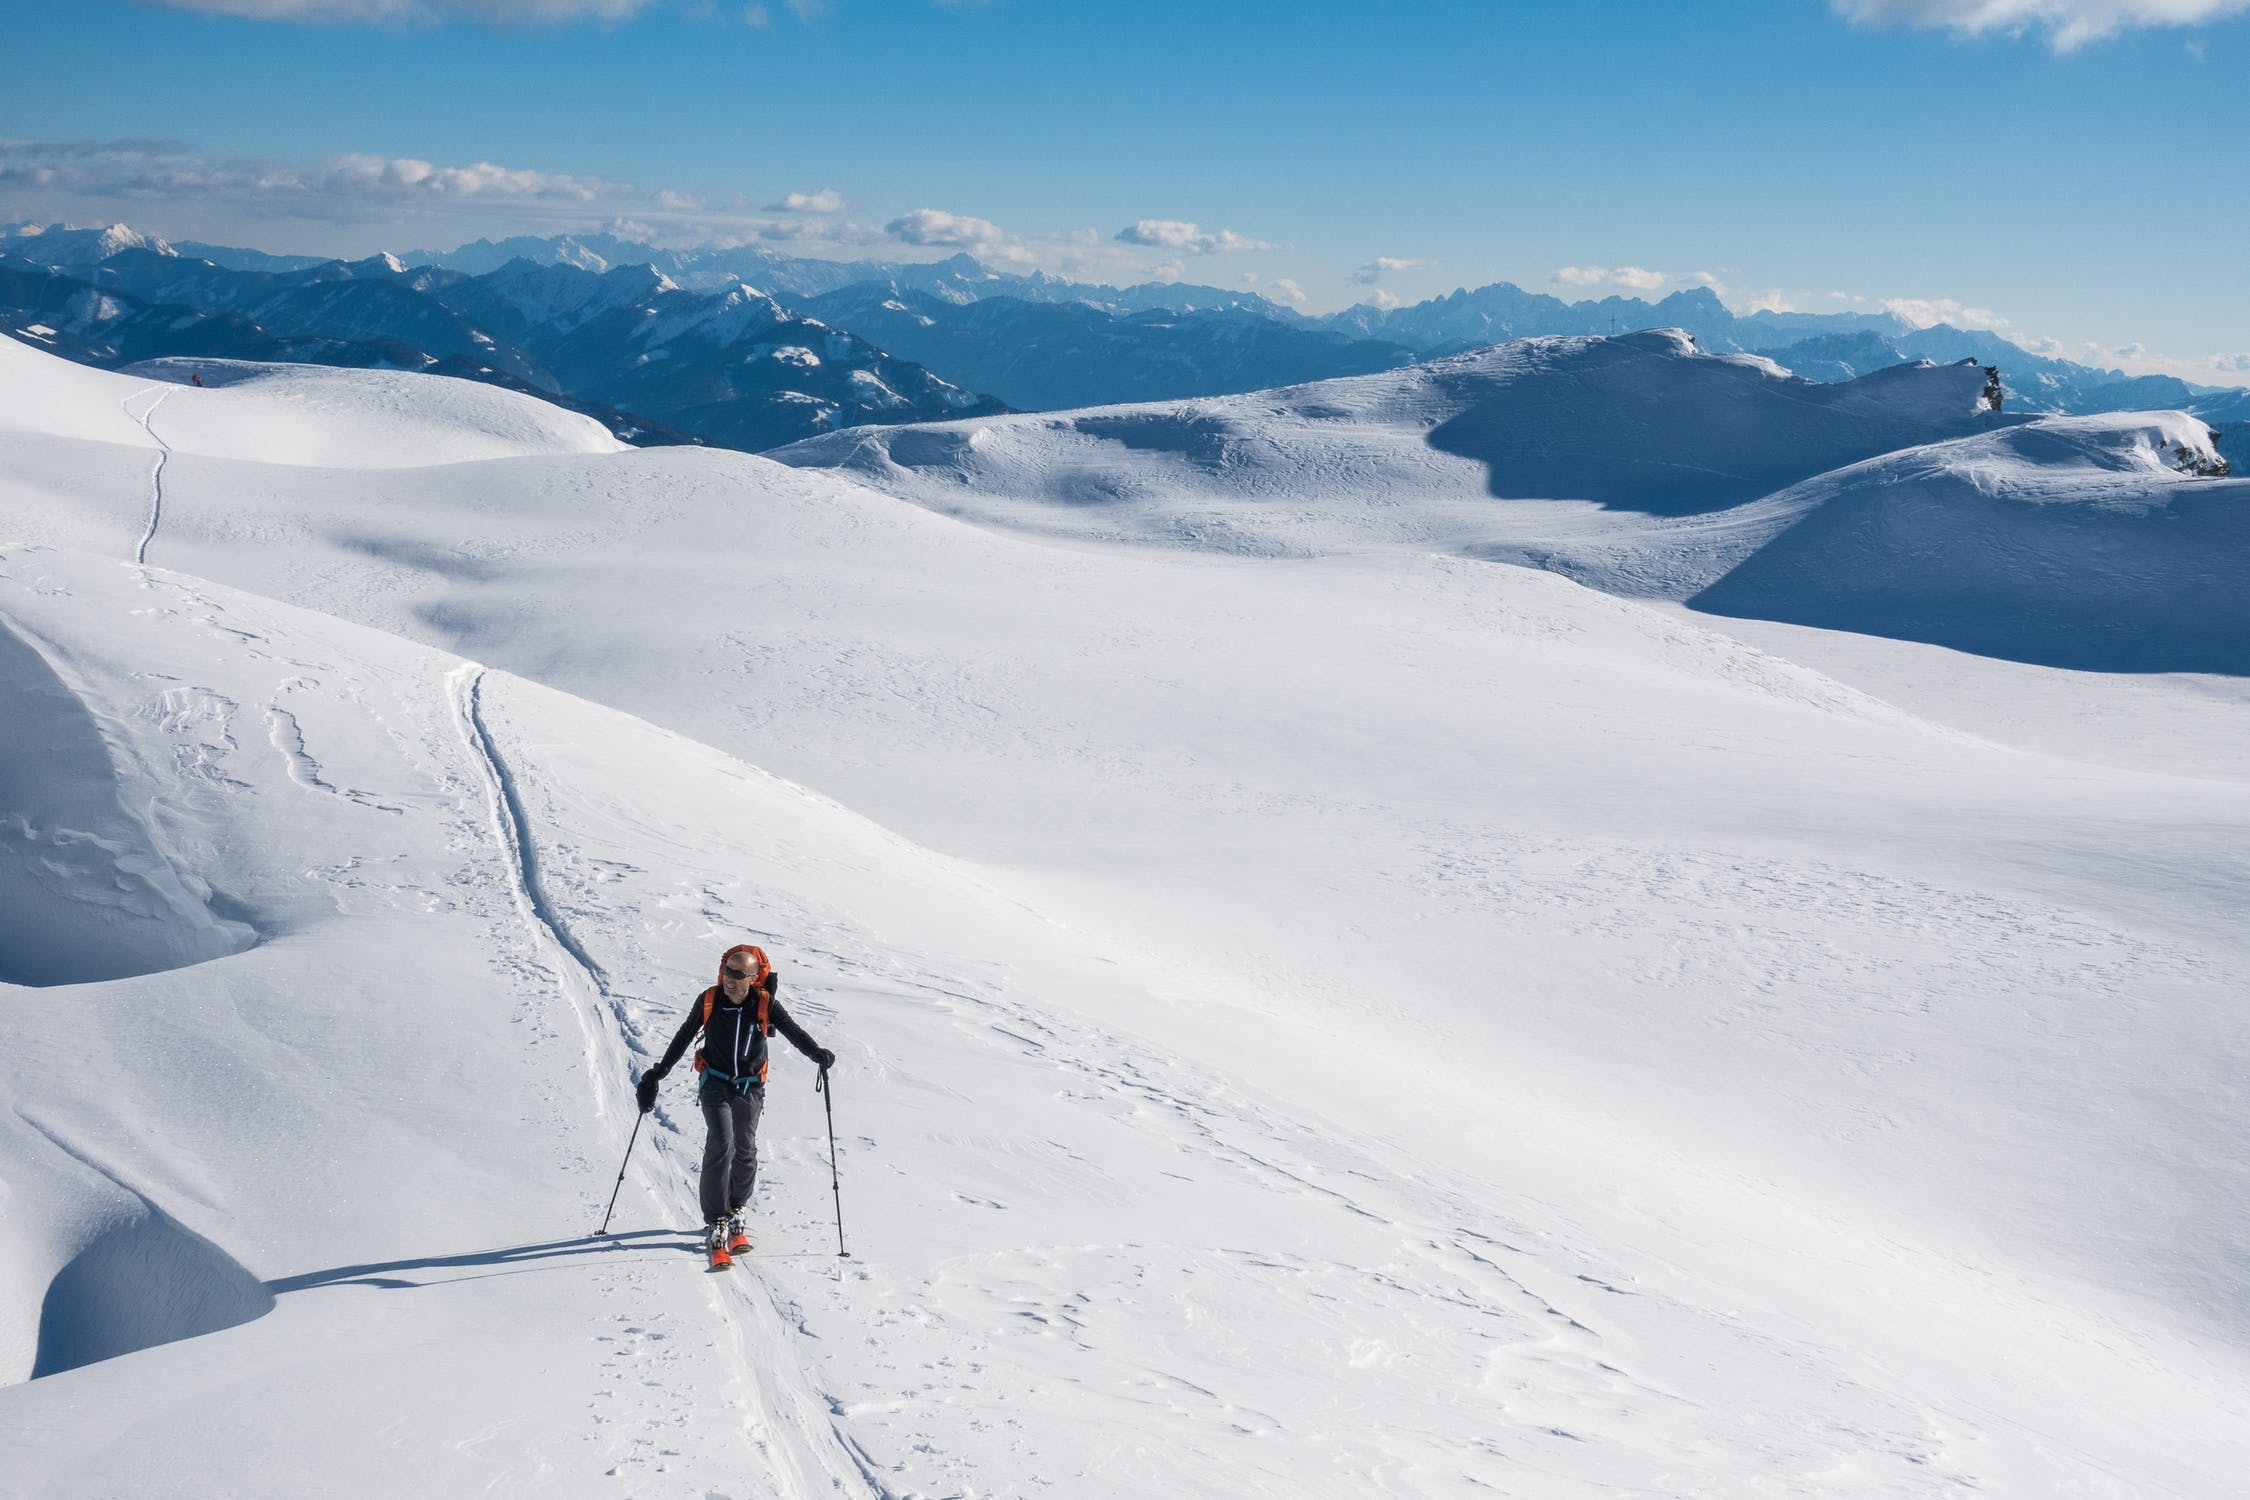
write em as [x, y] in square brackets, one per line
[835, 1183]
[620, 1175]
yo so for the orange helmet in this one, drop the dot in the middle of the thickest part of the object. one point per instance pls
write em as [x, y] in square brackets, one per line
[760, 967]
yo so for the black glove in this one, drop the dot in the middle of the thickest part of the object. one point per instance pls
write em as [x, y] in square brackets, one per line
[646, 1089]
[824, 1057]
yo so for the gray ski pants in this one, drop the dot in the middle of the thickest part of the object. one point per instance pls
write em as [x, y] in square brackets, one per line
[730, 1146]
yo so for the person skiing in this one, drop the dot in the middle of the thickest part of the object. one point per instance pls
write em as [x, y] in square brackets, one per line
[735, 1016]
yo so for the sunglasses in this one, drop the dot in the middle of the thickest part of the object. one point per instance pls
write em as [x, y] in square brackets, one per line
[738, 973]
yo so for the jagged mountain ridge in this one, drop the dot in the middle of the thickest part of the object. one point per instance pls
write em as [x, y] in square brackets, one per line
[1462, 319]
[734, 368]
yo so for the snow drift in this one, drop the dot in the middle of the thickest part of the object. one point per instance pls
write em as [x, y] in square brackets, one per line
[88, 887]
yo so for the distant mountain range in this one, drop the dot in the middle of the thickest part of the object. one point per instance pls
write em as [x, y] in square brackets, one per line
[654, 360]
[748, 348]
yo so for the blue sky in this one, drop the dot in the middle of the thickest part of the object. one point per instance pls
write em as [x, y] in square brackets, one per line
[2067, 170]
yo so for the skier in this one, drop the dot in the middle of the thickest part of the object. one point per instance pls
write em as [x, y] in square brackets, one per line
[736, 1015]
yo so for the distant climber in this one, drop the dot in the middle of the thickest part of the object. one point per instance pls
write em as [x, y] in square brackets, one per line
[735, 1016]
[194, 379]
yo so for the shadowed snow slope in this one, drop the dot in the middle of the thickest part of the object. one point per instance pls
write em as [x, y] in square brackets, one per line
[1370, 1020]
[88, 889]
[2075, 542]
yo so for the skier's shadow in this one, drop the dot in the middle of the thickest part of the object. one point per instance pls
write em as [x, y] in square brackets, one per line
[378, 1273]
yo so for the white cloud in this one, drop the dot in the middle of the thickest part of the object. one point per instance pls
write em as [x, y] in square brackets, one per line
[349, 12]
[1289, 292]
[934, 226]
[2139, 359]
[1383, 299]
[165, 169]
[1381, 266]
[826, 201]
[225, 196]
[1772, 301]
[2068, 23]
[1706, 279]
[405, 176]
[803, 232]
[1633, 278]
[356, 203]
[1924, 311]
[1176, 234]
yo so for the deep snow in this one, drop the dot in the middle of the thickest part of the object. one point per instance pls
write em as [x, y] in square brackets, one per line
[1364, 1022]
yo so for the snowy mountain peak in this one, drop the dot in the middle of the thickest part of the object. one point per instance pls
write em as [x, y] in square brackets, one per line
[382, 263]
[76, 249]
[1677, 343]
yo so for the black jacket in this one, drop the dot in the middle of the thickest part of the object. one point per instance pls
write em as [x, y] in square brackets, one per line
[732, 1042]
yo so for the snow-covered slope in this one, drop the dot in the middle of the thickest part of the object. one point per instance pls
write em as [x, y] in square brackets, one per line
[1642, 423]
[2113, 542]
[1311, 1026]
[286, 414]
[315, 1219]
[2091, 542]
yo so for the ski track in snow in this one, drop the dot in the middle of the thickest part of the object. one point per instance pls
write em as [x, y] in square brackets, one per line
[577, 975]
[287, 736]
[1447, 1255]
[777, 1392]
[156, 476]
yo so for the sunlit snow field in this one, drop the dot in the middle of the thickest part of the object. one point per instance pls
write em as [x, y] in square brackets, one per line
[1322, 1009]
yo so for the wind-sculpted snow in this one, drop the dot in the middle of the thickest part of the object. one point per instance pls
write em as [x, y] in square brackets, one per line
[2087, 542]
[1645, 423]
[136, 1278]
[87, 888]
